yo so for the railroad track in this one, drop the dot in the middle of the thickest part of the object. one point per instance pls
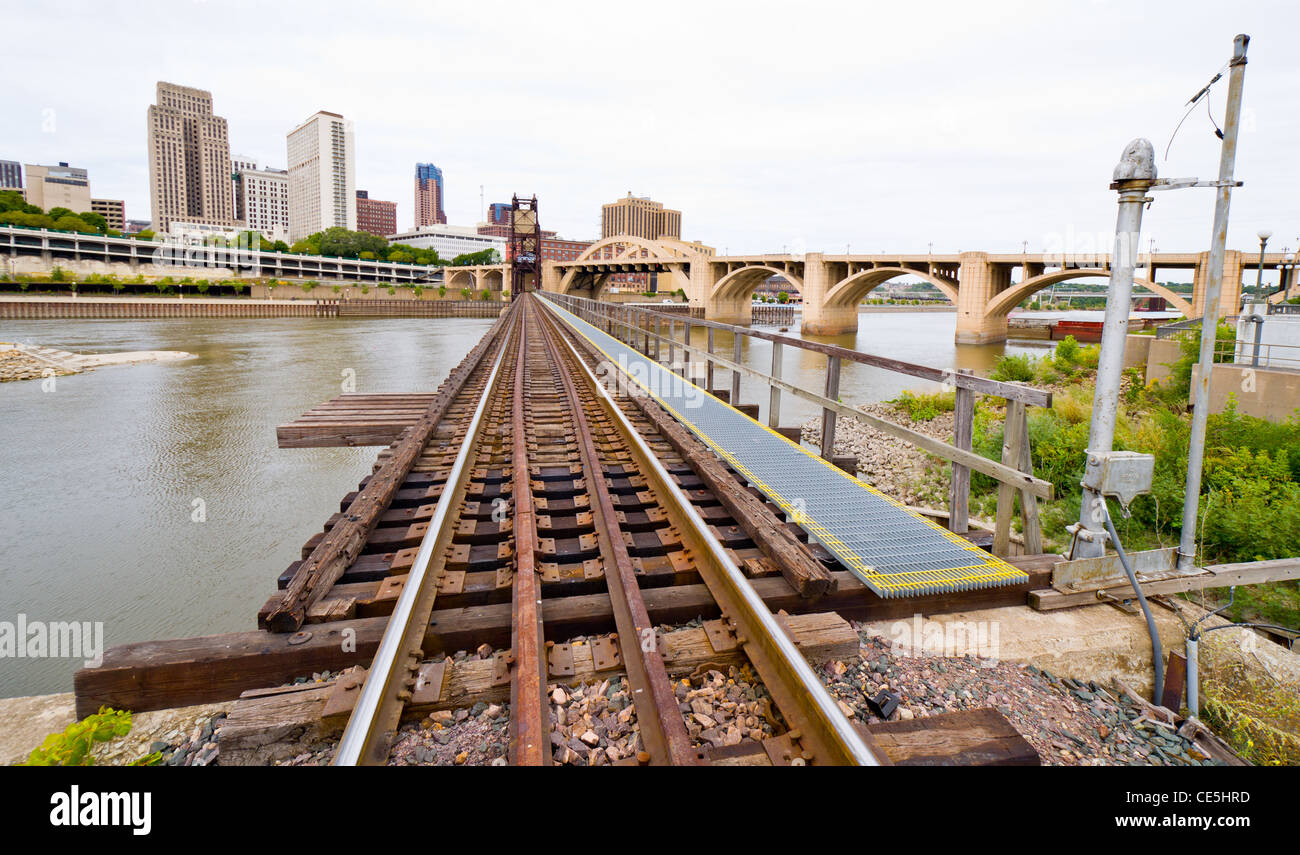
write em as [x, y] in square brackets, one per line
[528, 530]
[560, 492]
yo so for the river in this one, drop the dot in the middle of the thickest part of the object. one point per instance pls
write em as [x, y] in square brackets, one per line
[153, 499]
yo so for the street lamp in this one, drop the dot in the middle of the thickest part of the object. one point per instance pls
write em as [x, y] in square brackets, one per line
[1255, 318]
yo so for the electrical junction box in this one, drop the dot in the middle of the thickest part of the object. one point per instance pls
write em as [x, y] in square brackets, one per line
[1121, 474]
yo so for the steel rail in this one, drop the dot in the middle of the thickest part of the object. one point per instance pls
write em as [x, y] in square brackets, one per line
[530, 722]
[364, 739]
[662, 730]
[824, 732]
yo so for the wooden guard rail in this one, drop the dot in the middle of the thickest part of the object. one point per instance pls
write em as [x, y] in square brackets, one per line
[643, 329]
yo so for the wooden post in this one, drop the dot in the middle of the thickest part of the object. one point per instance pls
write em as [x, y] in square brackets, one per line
[963, 427]
[828, 416]
[672, 342]
[659, 331]
[735, 375]
[1028, 501]
[1013, 438]
[708, 368]
[774, 392]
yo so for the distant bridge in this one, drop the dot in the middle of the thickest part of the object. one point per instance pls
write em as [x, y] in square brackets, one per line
[984, 287]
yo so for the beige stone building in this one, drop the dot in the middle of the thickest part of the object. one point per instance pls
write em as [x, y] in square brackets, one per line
[640, 216]
[189, 159]
[113, 211]
[60, 186]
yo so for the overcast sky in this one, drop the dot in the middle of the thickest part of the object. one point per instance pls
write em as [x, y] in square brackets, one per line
[814, 125]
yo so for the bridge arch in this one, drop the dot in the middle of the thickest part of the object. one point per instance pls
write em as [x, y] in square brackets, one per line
[626, 244]
[458, 279]
[850, 290]
[1002, 304]
[744, 281]
[492, 279]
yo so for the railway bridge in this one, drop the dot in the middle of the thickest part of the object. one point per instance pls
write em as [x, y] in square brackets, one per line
[984, 287]
[585, 509]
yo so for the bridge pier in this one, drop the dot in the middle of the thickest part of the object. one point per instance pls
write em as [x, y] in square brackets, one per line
[1230, 296]
[980, 283]
[820, 318]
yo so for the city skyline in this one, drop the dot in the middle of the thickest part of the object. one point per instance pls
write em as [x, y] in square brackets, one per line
[988, 136]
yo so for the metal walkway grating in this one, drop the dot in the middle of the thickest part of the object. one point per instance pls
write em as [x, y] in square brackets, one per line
[893, 550]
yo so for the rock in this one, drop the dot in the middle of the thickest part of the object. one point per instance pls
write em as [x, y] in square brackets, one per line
[905, 714]
[590, 738]
[559, 696]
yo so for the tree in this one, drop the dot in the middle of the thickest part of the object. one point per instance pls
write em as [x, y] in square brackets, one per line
[12, 200]
[783, 297]
[94, 219]
[280, 246]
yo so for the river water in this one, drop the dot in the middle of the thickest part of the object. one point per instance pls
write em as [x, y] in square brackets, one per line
[153, 499]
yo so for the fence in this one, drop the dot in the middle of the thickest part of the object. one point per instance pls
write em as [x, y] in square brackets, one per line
[644, 330]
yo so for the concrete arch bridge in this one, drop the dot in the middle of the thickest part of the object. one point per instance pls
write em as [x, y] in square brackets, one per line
[983, 286]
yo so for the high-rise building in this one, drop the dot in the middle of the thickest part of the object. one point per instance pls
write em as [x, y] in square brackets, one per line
[112, 210]
[429, 196]
[376, 216]
[239, 163]
[641, 217]
[498, 214]
[189, 159]
[59, 186]
[322, 175]
[11, 175]
[266, 201]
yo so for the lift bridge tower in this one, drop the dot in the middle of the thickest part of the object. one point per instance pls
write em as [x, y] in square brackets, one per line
[525, 247]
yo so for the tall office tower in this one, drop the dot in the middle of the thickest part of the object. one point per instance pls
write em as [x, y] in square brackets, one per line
[498, 214]
[266, 201]
[11, 175]
[240, 163]
[322, 175]
[189, 160]
[429, 196]
[375, 215]
[59, 186]
[641, 217]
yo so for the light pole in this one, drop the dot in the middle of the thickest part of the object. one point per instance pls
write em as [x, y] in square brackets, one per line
[1200, 392]
[1133, 177]
[1256, 319]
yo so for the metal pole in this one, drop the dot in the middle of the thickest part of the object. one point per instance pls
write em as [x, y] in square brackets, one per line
[1214, 286]
[1133, 177]
[1256, 319]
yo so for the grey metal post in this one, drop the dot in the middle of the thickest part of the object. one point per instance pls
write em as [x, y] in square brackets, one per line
[774, 394]
[1214, 286]
[1133, 177]
[672, 344]
[1256, 319]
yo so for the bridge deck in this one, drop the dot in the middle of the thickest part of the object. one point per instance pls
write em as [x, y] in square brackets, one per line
[893, 550]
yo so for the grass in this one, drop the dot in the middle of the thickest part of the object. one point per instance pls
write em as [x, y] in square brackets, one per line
[1257, 714]
[924, 407]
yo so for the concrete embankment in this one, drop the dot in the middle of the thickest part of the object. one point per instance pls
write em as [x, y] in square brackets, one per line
[35, 308]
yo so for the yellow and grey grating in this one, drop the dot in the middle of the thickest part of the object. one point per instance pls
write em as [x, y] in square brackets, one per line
[893, 550]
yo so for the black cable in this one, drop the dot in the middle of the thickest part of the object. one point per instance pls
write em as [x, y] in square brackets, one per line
[1157, 649]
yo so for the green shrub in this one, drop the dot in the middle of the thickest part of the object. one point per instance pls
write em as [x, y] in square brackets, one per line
[1013, 369]
[72, 746]
[925, 407]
